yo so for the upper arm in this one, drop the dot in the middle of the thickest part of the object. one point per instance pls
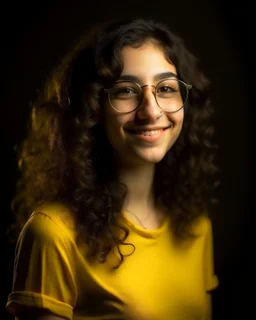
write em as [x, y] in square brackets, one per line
[43, 272]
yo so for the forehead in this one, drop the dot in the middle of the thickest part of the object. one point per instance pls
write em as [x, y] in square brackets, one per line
[146, 62]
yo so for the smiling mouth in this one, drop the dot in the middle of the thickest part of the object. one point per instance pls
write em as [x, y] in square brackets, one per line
[147, 132]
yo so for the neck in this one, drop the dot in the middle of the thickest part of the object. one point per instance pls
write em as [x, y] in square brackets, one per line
[139, 182]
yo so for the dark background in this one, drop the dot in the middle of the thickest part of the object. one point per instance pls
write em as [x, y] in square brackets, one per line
[34, 35]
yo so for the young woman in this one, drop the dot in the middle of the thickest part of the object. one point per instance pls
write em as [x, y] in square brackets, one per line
[118, 175]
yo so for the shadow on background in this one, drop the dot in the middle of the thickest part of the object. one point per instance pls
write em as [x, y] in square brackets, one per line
[36, 35]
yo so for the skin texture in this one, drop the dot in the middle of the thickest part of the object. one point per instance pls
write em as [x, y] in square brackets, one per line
[145, 63]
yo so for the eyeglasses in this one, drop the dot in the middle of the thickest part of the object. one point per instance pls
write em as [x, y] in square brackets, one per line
[170, 94]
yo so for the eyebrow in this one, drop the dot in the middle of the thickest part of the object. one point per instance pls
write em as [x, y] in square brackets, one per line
[157, 77]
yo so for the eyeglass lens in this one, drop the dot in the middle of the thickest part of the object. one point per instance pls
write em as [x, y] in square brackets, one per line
[170, 95]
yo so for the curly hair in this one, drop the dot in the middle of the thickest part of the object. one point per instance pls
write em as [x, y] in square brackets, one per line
[62, 155]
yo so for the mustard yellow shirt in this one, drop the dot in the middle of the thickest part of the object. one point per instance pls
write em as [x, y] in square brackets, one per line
[161, 280]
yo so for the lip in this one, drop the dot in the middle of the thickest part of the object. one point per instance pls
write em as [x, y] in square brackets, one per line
[137, 133]
[140, 129]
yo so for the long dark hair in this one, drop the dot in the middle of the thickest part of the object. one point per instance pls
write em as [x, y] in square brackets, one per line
[63, 154]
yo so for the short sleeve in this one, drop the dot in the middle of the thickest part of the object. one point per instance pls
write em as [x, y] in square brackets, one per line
[211, 279]
[43, 272]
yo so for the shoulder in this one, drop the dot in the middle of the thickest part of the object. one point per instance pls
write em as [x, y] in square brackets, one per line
[50, 221]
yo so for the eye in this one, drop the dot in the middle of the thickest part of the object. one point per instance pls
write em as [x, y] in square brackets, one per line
[125, 90]
[165, 88]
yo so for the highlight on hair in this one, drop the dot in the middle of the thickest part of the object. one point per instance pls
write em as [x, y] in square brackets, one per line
[63, 154]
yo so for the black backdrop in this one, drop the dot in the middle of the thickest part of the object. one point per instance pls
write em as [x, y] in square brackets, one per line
[34, 35]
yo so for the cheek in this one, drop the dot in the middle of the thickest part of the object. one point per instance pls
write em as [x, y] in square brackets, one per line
[115, 122]
[177, 118]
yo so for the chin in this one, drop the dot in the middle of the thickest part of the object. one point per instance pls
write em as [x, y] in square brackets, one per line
[141, 156]
[150, 158]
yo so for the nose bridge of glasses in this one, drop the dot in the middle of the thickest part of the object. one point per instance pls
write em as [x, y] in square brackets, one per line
[151, 86]
[148, 85]
[149, 98]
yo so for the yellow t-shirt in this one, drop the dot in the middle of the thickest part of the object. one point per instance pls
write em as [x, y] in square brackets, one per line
[161, 280]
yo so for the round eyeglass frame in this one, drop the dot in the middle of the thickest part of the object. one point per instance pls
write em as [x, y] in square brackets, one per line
[187, 86]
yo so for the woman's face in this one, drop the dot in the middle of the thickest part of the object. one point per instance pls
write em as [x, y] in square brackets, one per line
[141, 136]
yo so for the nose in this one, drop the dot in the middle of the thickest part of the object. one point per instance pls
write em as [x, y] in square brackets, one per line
[148, 108]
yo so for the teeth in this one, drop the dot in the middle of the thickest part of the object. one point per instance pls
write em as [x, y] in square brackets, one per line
[149, 133]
